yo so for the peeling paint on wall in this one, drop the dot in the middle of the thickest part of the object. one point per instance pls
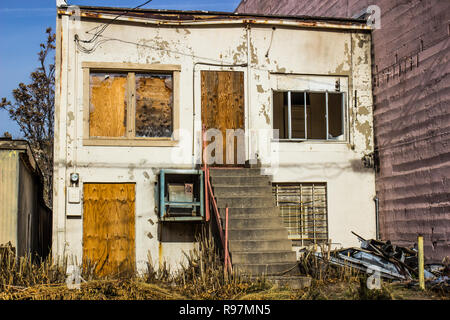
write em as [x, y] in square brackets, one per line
[240, 53]
[253, 54]
[366, 130]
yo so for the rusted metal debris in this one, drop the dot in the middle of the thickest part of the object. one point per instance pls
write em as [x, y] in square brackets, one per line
[389, 260]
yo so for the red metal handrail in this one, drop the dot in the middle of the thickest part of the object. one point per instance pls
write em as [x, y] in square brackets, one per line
[209, 193]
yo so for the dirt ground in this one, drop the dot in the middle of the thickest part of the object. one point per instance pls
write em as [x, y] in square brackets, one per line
[140, 290]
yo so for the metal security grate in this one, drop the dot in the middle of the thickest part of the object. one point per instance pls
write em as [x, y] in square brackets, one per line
[303, 211]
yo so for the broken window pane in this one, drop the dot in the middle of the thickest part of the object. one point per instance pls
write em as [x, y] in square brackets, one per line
[335, 117]
[316, 112]
[108, 104]
[298, 115]
[311, 124]
[280, 117]
[154, 105]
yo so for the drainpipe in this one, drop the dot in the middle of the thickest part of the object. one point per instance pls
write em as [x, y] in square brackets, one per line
[377, 220]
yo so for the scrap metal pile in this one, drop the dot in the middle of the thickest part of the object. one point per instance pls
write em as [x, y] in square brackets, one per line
[391, 261]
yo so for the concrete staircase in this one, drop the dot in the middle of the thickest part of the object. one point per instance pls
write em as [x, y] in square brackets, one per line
[258, 240]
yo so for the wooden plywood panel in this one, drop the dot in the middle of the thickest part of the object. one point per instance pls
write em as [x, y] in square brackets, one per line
[109, 228]
[107, 113]
[223, 103]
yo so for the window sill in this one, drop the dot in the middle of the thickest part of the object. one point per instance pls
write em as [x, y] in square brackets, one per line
[144, 142]
[308, 141]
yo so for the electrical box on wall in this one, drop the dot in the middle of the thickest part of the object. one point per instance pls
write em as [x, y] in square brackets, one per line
[181, 195]
[73, 194]
[73, 202]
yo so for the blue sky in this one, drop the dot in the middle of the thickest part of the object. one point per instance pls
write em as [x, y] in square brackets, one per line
[22, 29]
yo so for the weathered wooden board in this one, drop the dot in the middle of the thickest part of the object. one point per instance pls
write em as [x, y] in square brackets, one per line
[109, 228]
[223, 104]
[154, 105]
[107, 113]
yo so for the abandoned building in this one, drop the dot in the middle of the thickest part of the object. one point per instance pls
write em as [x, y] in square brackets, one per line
[410, 71]
[139, 90]
[25, 219]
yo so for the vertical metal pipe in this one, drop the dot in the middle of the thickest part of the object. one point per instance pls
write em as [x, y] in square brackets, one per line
[289, 116]
[421, 263]
[202, 195]
[205, 173]
[326, 113]
[249, 104]
[343, 115]
[304, 109]
[377, 221]
[226, 239]
[162, 205]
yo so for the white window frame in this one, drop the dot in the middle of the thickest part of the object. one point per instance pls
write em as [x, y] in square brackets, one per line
[289, 92]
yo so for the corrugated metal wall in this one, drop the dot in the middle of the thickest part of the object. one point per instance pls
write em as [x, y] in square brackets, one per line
[27, 213]
[25, 221]
[9, 175]
[412, 114]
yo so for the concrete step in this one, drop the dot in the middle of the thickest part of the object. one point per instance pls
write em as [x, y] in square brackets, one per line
[241, 181]
[253, 222]
[263, 268]
[245, 202]
[268, 257]
[234, 172]
[248, 212]
[258, 234]
[293, 282]
[255, 215]
[245, 191]
[260, 245]
[258, 240]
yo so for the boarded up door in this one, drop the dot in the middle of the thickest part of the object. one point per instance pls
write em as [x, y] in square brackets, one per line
[108, 228]
[223, 106]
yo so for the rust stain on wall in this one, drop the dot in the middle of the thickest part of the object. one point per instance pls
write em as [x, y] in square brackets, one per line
[366, 130]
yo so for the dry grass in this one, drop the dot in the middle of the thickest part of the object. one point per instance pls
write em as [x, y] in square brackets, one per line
[27, 272]
[202, 277]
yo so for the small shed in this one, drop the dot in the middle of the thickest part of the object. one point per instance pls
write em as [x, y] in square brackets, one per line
[25, 220]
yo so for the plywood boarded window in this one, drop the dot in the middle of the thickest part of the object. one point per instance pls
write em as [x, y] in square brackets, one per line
[308, 115]
[303, 209]
[109, 228]
[154, 105]
[108, 104]
[131, 104]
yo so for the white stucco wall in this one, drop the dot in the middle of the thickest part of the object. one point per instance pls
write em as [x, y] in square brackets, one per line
[297, 59]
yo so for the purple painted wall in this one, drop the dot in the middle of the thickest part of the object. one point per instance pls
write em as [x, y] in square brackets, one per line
[411, 112]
